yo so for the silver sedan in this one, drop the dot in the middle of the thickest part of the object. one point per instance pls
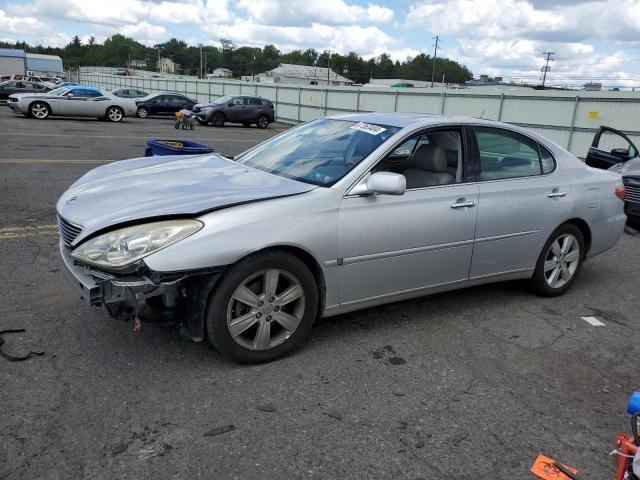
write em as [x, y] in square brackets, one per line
[338, 214]
[73, 101]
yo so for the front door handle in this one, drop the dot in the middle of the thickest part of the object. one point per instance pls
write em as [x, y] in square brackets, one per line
[555, 194]
[461, 204]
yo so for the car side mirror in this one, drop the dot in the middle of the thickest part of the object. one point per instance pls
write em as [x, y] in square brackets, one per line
[620, 152]
[382, 183]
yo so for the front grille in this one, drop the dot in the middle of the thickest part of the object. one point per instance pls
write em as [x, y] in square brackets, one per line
[632, 194]
[196, 109]
[68, 231]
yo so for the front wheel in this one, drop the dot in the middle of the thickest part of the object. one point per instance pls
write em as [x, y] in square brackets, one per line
[559, 262]
[114, 114]
[218, 119]
[39, 110]
[142, 112]
[263, 121]
[263, 307]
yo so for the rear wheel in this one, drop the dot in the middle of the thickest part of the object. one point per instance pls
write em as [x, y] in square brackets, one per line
[560, 261]
[114, 114]
[263, 307]
[263, 121]
[218, 119]
[39, 110]
[142, 112]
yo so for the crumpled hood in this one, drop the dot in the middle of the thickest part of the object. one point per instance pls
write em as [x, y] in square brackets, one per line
[143, 188]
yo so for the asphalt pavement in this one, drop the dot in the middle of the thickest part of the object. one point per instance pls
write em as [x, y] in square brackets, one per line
[466, 385]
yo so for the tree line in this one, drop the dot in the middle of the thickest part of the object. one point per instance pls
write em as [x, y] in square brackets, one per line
[118, 50]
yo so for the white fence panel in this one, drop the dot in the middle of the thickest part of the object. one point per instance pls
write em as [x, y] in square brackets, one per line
[567, 118]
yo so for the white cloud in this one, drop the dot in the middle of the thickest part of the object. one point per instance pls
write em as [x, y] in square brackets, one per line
[17, 24]
[299, 13]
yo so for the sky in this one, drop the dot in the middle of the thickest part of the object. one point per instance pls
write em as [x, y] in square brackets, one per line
[590, 39]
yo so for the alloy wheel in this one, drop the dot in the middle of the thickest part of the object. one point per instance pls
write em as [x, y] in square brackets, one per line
[39, 110]
[263, 121]
[114, 114]
[265, 309]
[142, 112]
[562, 260]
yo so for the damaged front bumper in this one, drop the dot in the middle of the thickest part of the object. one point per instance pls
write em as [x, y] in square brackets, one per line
[148, 295]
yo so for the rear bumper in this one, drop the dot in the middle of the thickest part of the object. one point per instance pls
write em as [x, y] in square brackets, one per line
[605, 233]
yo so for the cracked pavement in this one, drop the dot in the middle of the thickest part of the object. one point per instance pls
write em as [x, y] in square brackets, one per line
[468, 384]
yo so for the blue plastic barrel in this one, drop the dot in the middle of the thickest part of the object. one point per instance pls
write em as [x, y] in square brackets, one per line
[175, 147]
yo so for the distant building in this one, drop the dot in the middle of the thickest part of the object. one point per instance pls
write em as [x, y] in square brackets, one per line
[44, 64]
[220, 73]
[399, 83]
[592, 87]
[301, 75]
[168, 66]
[485, 80]
[138, 64]
[12, 62]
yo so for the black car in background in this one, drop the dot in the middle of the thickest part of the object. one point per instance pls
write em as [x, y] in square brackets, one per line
[18, 86]
[613, 150]
[164, 103]
[238, 109]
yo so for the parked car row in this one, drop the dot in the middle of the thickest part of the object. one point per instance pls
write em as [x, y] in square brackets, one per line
[247, 110]
[21, 86]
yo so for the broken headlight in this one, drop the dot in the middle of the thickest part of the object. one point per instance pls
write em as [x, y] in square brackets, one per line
[125, 246]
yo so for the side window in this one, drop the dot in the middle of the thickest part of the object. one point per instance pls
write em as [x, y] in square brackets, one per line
[253, 101]
[427, 159]
[610, 141]
[548, 163]
[505, 154]
[239, 101]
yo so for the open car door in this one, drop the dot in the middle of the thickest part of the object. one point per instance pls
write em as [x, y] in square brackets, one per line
[610, 147]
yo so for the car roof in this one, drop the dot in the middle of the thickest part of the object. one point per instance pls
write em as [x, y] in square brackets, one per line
[402, 120]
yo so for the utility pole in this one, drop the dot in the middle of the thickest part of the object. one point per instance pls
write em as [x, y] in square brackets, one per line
[158, 60]
[328, 66]
[546, 65]
[433, 61]
[200, 60]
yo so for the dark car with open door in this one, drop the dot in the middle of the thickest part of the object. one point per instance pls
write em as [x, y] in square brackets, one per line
[166, 103]
[237, 109]
[613, 150]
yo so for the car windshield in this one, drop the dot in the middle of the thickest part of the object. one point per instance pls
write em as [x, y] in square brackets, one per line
[222, 100]
[58, 91]
[319, 152]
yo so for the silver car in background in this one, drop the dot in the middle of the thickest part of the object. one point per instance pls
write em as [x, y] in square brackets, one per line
[338, 214]
[73, 101]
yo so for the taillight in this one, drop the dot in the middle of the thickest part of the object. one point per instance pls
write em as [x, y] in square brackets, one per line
[619, 192]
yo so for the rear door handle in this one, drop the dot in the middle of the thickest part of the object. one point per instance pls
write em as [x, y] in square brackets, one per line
[460, 204]
[556, 194]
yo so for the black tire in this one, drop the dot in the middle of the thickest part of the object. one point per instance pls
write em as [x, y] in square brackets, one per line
[191, 126]
[539, 281]
[39, 110]
[114, 114]
[262, 121]
[202, 122]
[246, 124]
[218, 119]
[219, 305]
[177, 125]
[142, 112]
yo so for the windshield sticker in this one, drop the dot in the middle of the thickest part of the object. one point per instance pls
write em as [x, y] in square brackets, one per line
[369, 128]
[321, 178]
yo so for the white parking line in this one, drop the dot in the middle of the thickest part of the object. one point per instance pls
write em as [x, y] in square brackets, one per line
[593, 321]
